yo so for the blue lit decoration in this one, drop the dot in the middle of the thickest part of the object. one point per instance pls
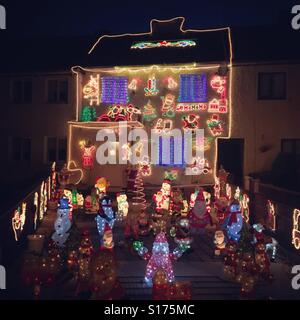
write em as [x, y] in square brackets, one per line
[105, 216]
[114, 90]
[234, 222]
[170, 161]
[193, 88]
[62, 224]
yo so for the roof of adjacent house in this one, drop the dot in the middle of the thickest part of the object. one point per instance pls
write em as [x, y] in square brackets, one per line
[252, 44]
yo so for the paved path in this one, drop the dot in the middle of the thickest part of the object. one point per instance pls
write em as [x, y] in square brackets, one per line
[199, 266]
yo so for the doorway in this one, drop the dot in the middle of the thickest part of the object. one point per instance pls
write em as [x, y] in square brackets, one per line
[231, 157]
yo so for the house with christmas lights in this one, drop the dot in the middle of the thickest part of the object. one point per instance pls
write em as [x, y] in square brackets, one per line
[165, 79]
[245, 100]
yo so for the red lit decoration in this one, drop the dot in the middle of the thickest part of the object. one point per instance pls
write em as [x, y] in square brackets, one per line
[218, 106]
[186, 107]
[215, 125]
[119, 113]
[190, 122]
[219, 84]
[88, 156]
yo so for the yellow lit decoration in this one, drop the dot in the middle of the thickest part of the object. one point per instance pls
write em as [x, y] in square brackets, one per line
[237, 193]
[172, 84]
[228, 191]
[91, 91]
[36, 208]
[133, 85]
[42, 200]
[18, 221]
[163, 125]
[167, 108]
[126, 152]
[296, 229]
[245, 207]
[217, 188]
[271, 215]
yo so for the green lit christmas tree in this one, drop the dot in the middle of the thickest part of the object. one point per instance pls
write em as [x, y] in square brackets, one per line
[88, 114]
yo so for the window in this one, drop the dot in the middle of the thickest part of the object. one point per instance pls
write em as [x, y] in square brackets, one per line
[22, 91]
[168, 154]
[114, 90]
[21, 149]
[56, 149]
[58, 91]
[272, 86]
[193, 88]
[290, 146]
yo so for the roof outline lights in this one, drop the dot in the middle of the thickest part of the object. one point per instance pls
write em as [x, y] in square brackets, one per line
[151, 31]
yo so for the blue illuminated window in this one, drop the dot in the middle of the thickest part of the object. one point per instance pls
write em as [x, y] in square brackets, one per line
[171, 157]
[114, 90]
[193, 88]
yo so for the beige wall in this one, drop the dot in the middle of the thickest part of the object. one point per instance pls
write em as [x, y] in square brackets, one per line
[263, 122]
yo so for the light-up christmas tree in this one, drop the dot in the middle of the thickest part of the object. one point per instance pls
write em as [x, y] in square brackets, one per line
[88, 114]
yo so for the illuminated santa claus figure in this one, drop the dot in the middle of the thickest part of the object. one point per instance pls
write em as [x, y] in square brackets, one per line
[160, 259]
[200, 213]
[162, 198]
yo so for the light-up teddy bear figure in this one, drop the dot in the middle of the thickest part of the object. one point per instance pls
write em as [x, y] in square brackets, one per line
[62, 224]
[161, 257]
[234, 222]
[105, 216]
[122, 206]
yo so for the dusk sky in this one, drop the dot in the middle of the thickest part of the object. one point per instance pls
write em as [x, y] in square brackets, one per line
[93, 16]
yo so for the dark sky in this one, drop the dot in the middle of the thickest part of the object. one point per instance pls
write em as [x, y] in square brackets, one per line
[67, 17]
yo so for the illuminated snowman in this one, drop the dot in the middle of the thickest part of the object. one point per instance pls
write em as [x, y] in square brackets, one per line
[234, 222]
[62, 224]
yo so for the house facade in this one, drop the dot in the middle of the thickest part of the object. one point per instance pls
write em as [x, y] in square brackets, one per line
[248, 108]
[170, 101]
